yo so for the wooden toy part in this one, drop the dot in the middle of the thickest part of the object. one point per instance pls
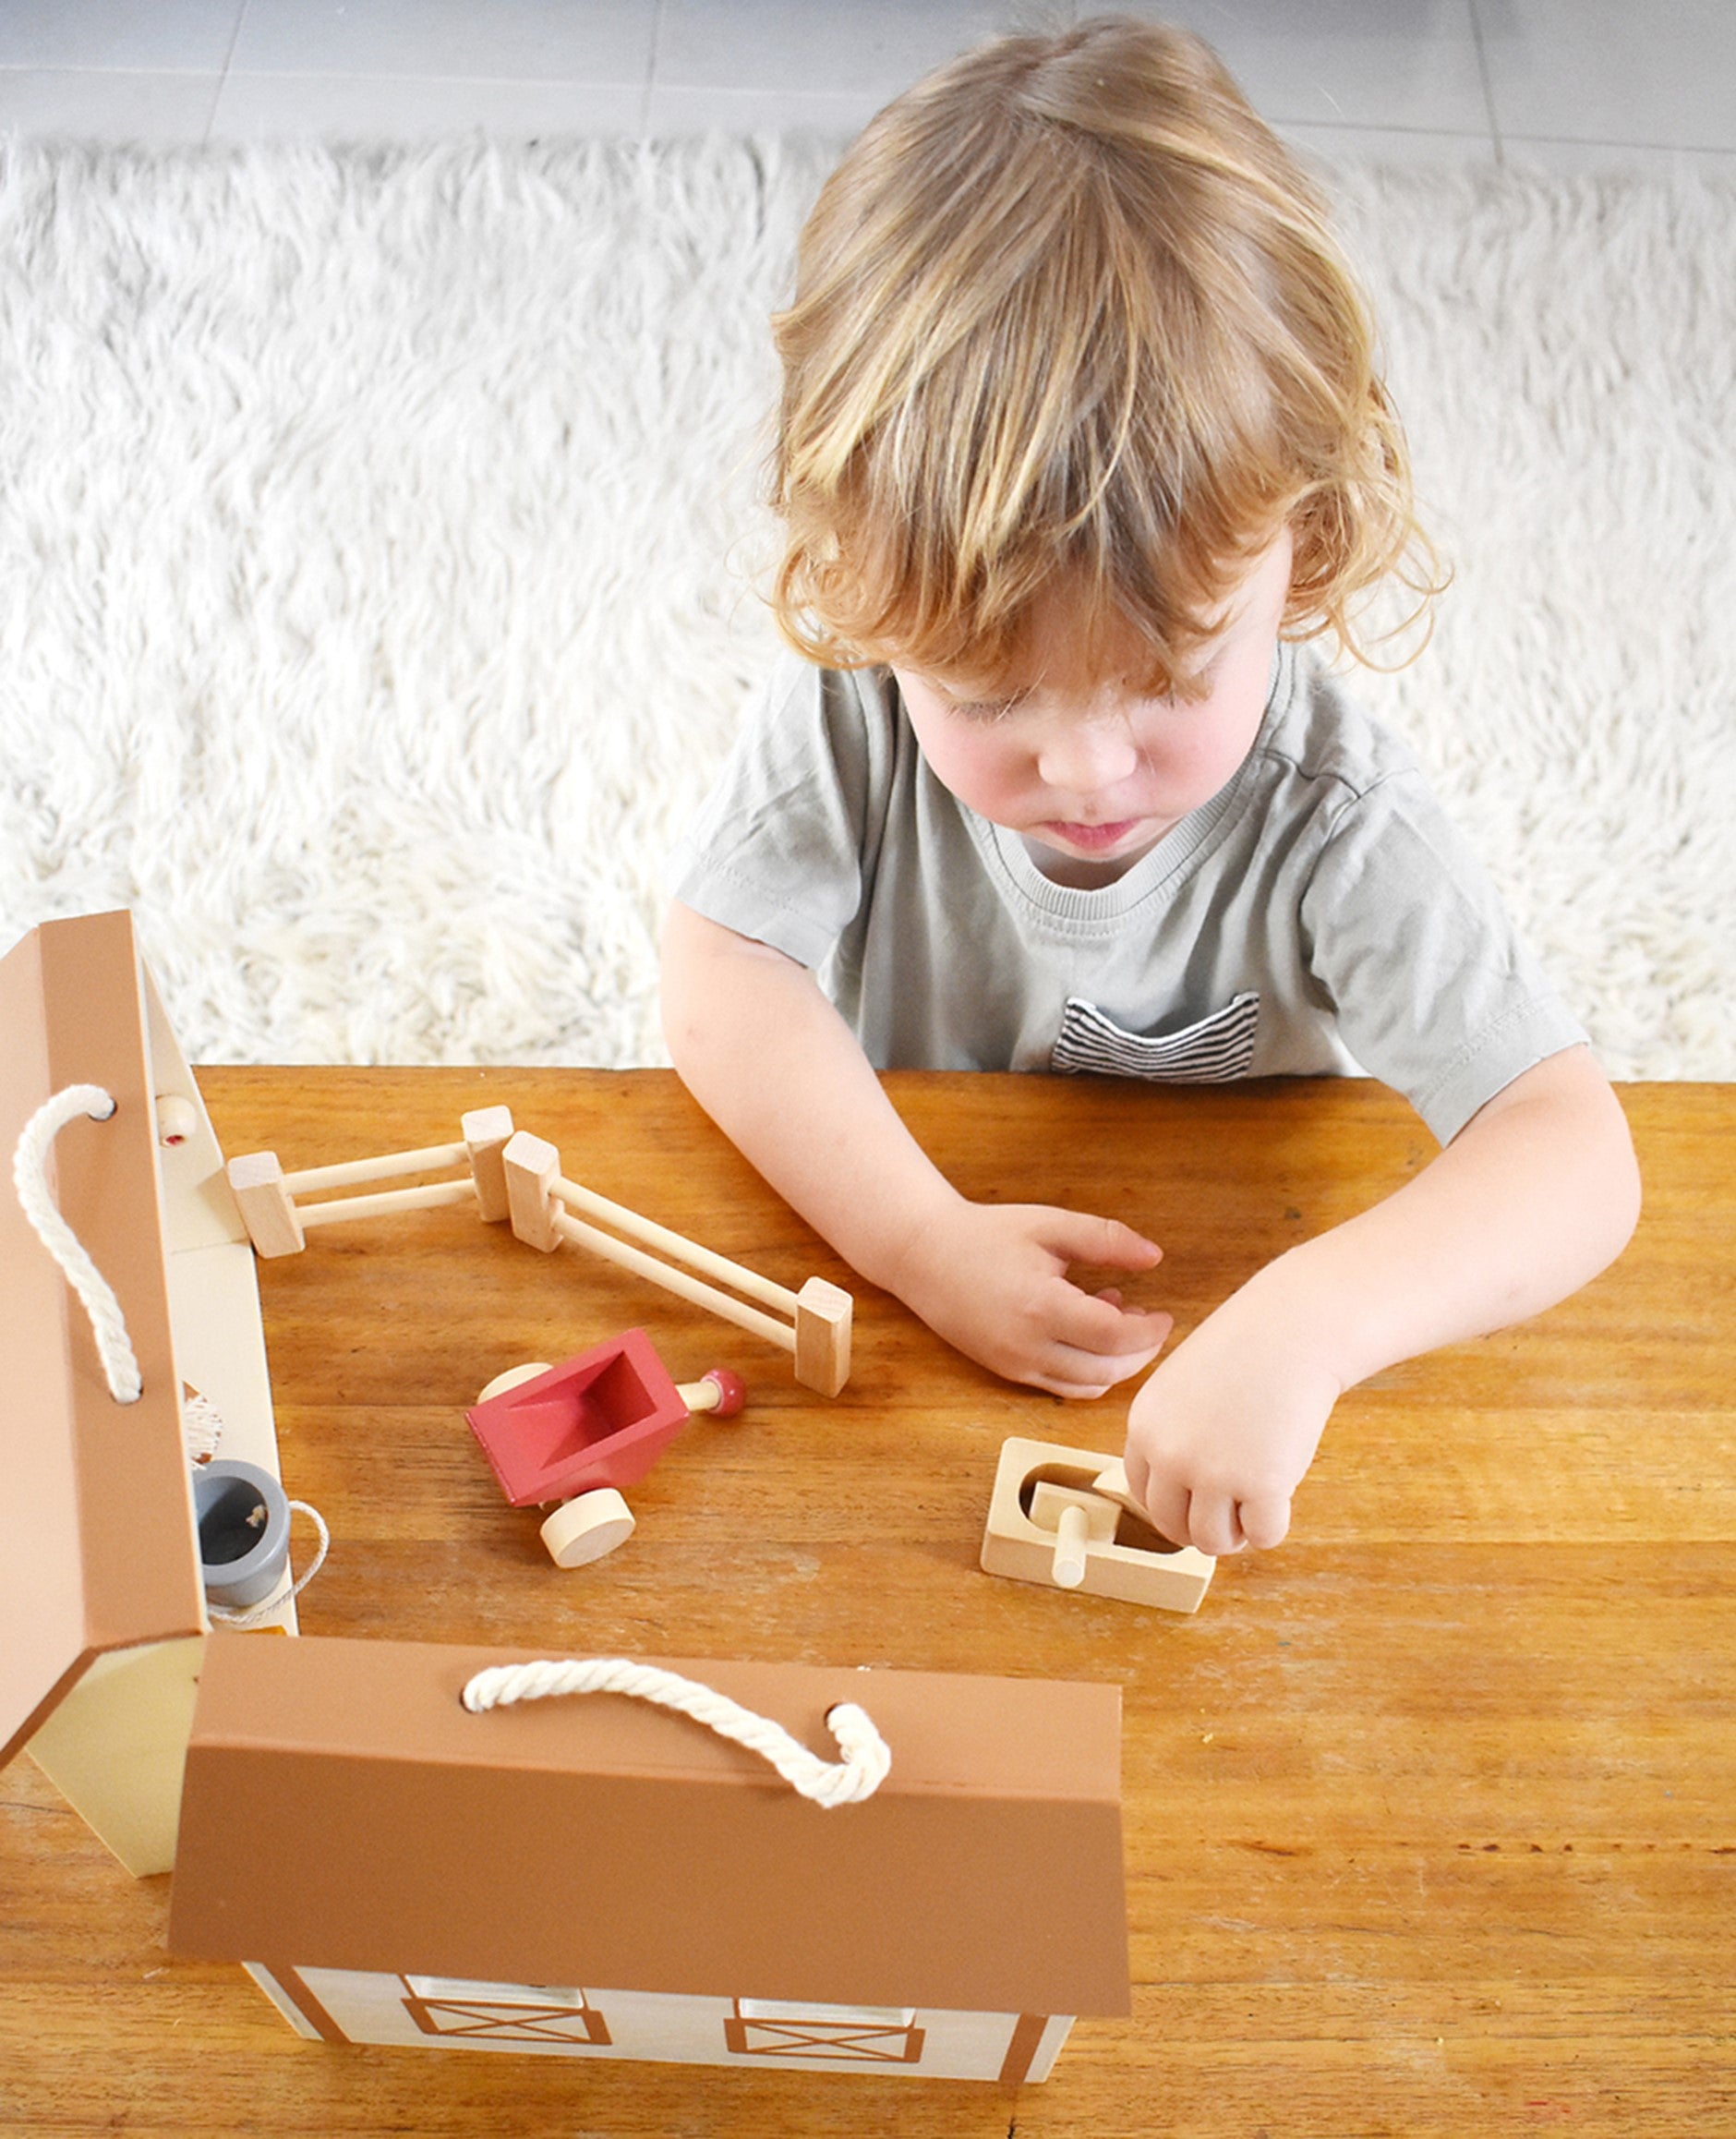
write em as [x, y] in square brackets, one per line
[514, 1176]
[1111, 1483]
[717, 1391]
[1078, 1519]
[814, 1326]
[822, 1327]
[488, 1131]
[529, 1166]
[277, 1224]
[1042, 1492]
[586, 1529]
[178, 1119]
[387, 1203]
[273, 1225]
[1071, 1528]
[603, 1418]
[392, 1165]
[512, 1378]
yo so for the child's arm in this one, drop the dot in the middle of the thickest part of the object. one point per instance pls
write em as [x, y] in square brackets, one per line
[775, 1066]
[1534, 1195]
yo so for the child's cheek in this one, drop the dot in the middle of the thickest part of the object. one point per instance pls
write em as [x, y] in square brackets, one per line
[975, 768]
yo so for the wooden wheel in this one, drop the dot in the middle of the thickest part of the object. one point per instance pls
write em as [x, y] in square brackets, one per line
[582, 1530]
[512, 1378]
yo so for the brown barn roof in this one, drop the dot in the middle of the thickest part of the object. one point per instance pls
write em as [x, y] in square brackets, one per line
[86, 1478]
[343, 1810]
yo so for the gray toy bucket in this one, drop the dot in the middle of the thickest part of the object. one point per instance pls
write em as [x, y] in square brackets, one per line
[243, 1531]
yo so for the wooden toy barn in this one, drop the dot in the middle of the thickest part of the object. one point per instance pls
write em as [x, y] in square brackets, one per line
[586, 1876]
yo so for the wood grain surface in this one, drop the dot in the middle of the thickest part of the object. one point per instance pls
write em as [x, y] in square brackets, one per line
[1431, 1814]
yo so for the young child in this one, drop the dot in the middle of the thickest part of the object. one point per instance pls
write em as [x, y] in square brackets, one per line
[1080, 436]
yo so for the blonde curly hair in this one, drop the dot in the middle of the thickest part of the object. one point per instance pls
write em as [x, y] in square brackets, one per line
[1068, 314]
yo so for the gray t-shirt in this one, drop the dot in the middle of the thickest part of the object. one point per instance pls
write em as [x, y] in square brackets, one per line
[1319, 915]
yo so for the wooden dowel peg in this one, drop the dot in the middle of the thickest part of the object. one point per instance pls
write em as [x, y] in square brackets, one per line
[264, 1201]
[749, 1283]
[1077, 1520]
[1030, 1513]
[718, 1392]
[392, 1165]
[429, 1196]
[178, 1119]
[1072, 1530]
[696, 1289]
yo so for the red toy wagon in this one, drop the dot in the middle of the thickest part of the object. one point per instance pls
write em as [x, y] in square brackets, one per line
[579, 1431]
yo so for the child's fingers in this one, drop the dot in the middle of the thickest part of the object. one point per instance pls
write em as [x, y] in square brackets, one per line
[1077, 1236]
[1212, 1522]
[1265, 1520]
[1084, 1374]
[1165, 1503]
[1098, 1322]
[1084, 1371]
[1172, 1510]
[1213, 1526]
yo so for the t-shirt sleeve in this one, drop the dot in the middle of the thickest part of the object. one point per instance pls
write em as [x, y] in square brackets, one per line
[1434, 992]
[776, 853]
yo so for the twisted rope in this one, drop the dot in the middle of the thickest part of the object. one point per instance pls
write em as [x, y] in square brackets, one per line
[202, 1425]
[849, 1781]
[29, 1176]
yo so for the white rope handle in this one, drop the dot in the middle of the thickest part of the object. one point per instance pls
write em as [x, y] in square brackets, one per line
[848, 1781]
[274, 1605]
[29, 1176]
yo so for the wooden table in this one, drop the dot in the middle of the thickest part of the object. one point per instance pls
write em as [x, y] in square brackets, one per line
[1430, 1815]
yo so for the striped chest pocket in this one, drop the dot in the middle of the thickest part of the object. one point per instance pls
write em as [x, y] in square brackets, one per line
[1211, 1051]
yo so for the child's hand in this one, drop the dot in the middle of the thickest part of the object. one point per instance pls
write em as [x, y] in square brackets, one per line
[1222, 1433]
[991, 1279]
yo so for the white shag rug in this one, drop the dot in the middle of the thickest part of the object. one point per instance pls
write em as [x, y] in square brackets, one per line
[378, 535]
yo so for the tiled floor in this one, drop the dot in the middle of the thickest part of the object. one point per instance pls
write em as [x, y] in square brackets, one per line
[1567, 83]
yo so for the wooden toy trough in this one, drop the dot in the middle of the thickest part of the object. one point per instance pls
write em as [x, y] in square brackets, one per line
[1064, 1516]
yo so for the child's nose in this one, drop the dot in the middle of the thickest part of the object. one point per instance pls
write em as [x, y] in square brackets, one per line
[1084, 757]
